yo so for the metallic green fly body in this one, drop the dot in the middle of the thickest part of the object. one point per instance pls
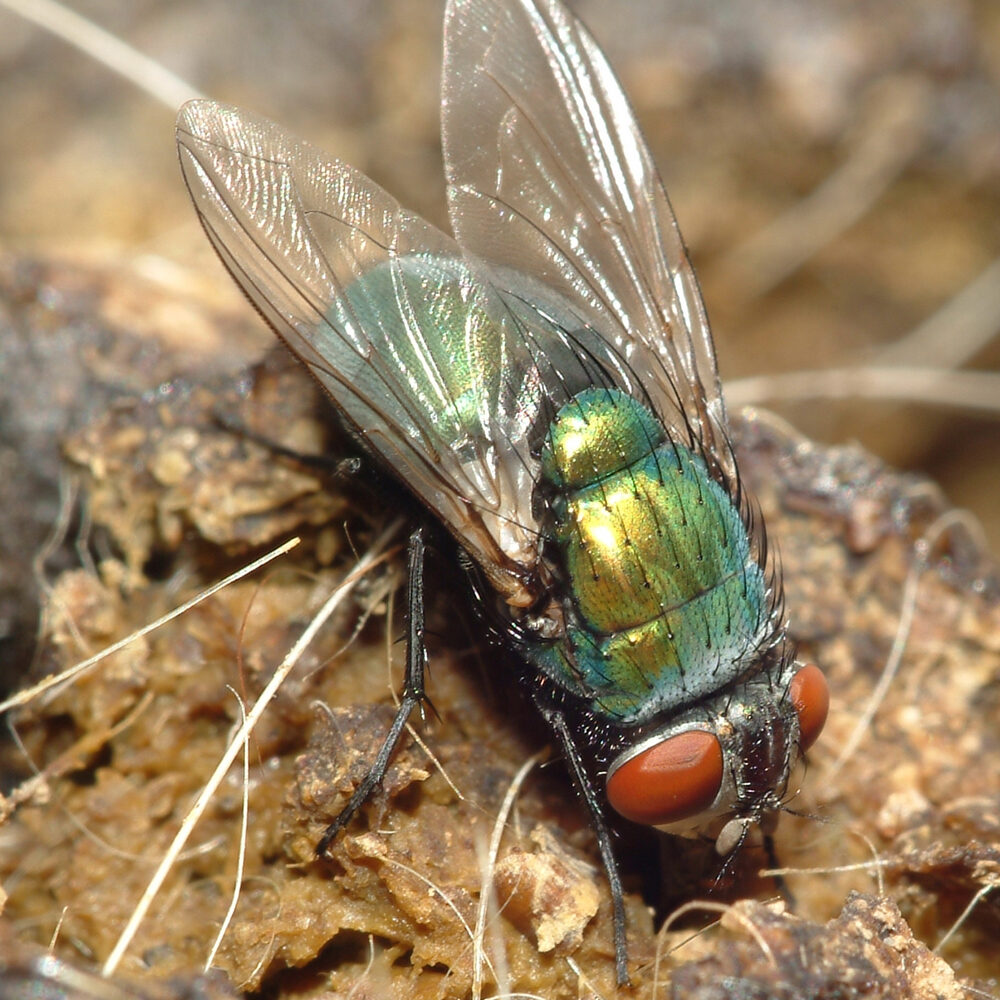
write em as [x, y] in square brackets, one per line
[545, 384]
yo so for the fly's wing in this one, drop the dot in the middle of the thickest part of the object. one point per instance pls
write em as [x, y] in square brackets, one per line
[422, 356]
[549, 175]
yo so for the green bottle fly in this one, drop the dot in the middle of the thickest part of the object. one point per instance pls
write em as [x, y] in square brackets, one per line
[544, 382]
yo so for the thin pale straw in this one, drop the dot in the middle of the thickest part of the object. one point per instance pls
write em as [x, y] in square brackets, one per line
[253, 716]
[29, 694]
[147, 74]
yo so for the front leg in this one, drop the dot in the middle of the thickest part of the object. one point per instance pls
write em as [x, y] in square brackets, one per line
[585, 788]
[413, 690]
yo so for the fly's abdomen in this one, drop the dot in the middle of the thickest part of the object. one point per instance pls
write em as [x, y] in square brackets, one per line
[667, 603]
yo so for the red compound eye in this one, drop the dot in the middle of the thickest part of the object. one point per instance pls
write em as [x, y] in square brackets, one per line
[811, 698]
[671, 781]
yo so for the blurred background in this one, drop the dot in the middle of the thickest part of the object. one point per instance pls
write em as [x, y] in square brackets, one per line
[835, 169]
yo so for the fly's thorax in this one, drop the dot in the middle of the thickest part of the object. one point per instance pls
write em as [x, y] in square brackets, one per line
[597, 433]
[665, 603]
[726, 764]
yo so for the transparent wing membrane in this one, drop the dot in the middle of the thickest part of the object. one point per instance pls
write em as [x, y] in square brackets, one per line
[441, 375]
[449, 357]
[548, 175]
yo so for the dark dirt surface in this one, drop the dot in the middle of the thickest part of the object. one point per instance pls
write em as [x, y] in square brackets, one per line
[175, 499]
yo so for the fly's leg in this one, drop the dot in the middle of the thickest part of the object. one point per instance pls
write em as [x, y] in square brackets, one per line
[340, 467]
[585, 788]
[413, 690]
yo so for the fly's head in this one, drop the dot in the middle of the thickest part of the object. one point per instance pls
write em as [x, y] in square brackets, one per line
[725, 765]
